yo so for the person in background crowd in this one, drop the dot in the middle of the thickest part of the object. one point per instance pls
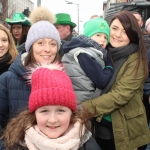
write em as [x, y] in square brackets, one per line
[147, 25]
[52, 121]
[94, 16]
[75, 33]
[139, 19]
[42, 46]
[84, 60]
[147, 84]
[141, 23]
[147, 44]
[8, 50]
[20, 25]
[121, 99]
[65, 26]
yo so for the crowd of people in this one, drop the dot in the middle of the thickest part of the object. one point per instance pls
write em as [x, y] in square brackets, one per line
[60, 92]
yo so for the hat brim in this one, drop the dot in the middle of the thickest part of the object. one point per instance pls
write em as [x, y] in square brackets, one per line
[66, 23]
[27, 23]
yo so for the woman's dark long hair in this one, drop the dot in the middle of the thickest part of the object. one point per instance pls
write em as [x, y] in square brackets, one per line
[25, 30]
[135, 35]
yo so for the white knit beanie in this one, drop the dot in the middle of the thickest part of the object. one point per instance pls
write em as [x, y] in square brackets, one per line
[42, 27]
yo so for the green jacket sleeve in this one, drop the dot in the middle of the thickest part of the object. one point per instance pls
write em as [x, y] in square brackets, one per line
[122, 91]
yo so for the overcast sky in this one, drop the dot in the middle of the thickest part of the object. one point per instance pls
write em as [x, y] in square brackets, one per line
[87, 8]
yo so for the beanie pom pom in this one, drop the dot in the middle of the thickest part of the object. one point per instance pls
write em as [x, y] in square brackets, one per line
[42, 14]
[42, 21]
[32, 68]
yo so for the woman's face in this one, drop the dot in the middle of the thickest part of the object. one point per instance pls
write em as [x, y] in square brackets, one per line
[45, 50]
[4, 43]
[118, 36]
[17, 31]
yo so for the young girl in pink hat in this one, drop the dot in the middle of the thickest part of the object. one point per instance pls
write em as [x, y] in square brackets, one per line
[52, 121]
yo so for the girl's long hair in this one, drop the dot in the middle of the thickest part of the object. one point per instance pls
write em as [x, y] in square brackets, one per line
[135, 35]
[15, 129]
[12, 48]
[14, 133]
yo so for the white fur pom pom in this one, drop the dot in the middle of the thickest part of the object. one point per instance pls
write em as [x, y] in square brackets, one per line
[34, 67]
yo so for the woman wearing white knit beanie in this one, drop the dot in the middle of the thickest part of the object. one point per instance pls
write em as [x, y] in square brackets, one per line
[42, 46]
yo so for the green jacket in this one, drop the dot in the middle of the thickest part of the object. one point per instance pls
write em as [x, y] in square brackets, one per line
[124, 103]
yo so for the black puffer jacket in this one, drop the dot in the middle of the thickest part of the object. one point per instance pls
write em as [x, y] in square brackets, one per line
[14, 91]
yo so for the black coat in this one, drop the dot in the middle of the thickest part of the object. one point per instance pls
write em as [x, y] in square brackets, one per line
[14, 91]
[91, 144]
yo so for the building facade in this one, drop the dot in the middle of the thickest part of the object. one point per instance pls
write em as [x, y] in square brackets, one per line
[19, 6]
[111, 7]
[9, 7]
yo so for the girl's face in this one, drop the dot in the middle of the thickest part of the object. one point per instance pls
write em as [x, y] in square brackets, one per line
[100, 38]
[17, 31]
[118, 36]
[45, 50]
[53, 120]
[4, 43]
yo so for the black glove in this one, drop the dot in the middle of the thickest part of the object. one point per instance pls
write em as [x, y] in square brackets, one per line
[109, 61]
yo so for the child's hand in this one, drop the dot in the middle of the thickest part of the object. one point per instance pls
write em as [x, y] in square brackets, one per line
[109, 61]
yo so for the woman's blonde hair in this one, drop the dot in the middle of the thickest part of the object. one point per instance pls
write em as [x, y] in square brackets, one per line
[12, 48]
[15, 129]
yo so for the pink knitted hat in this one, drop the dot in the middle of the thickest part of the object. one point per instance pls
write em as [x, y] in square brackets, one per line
[51, 87]
[147, 25]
